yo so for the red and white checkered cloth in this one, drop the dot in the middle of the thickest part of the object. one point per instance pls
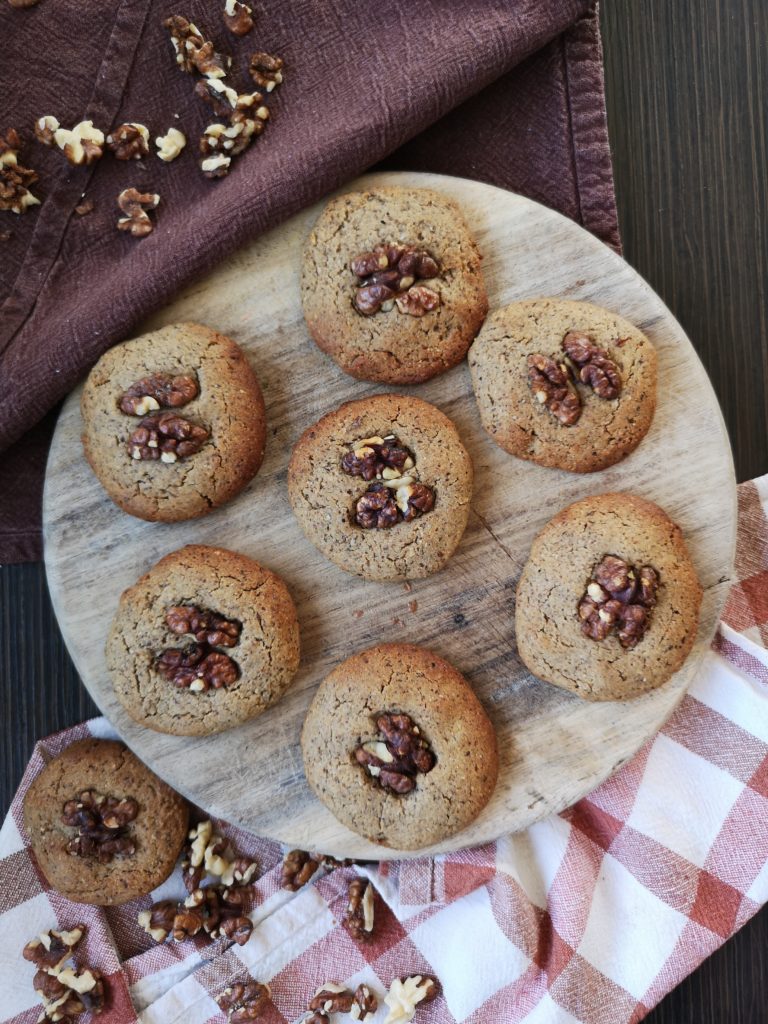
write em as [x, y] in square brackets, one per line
[590, 916]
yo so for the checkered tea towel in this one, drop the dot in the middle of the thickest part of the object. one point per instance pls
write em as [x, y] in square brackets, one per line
[589, 916]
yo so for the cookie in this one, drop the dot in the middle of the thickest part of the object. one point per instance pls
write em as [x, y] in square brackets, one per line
[608, 601]
[399, 748]
[381, 486]
[202, 642]
[103, 827]
[173, 422]
[391, 284]
[564, 384]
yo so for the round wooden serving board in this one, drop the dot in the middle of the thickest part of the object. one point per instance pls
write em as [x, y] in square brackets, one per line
[554, 747]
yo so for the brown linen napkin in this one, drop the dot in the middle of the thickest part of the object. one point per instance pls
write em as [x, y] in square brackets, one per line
[505, 92]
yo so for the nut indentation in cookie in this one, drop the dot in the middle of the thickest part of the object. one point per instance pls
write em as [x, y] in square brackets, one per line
[199, 666]
[397, 755]
[395, 494]
[387, 277]
[618, 596]
[102, 825]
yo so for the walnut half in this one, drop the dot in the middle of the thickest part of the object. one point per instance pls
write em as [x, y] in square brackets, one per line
[618, 597]
[397, 755]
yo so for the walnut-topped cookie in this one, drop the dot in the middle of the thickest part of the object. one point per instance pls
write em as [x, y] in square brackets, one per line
[103, 828]
[608, 601]
[565, 384]
[202, 642]
[391, 284]
[381, 486]
[173, 422]
[399, 748]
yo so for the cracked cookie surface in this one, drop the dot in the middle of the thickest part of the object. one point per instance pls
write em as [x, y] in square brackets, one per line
[229, 406]
[231, 585]
[323, 496]
[410, 680]
[563, 555]
[607, 430]
[392, 347]
[158, 830]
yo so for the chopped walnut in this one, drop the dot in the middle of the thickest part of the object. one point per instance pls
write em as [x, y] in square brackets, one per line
[166, 437]
[221, 97]
[135, 205]
[364, 1005]
[170, 145]
[332, 998]
[216, 165]
[157, 922]
[388, 273]
[51, 949]
[266, 70]
[205, 626]
[405, 994]
[377, 458]
[398, 755]
[45, 129]
[102, 824]
[129, 141]
[15, 179]
[197, 668]
[552, 387]
[417, 301]
[618, 597]
[210, 63]
[245, 1001]
[594, 366]
[298, 867]
[360, 909]
[84, 207]
[186, 41]
[159, 391]
[82, 145]
[376, 509]
[237, 17]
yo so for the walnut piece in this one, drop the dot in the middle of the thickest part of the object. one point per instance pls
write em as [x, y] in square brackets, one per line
[405, 994]
[158, 391]
[298, 867]
[388, 274]
[135, 205]
[15, 179]
[364, 1005]
[618, 597]
[167, 437]
[82, 145]
[397, 755]
[266, 70]
[51, 949]
[129, 141]
[360, 909]
[197, 668]
[552, 387]
[186, 41]
[45, 129]
[594, 366]
[84, 207]
[332, 998]
[64, 989]
[207, 627]
[170, 145]
[237, 17]
[102, 824]
[245, 1001]
[394, 494]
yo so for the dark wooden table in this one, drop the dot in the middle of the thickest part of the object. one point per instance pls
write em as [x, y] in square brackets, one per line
[687, 83]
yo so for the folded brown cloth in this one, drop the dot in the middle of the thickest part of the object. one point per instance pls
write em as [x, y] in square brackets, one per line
[505, 92]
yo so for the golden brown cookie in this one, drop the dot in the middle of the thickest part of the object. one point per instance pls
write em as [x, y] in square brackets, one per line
[381, 486]
[103, 828]
[202, 642]
[565, 384]
[173, 422]
[399, 748]
[608, 601]
[391, 284]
